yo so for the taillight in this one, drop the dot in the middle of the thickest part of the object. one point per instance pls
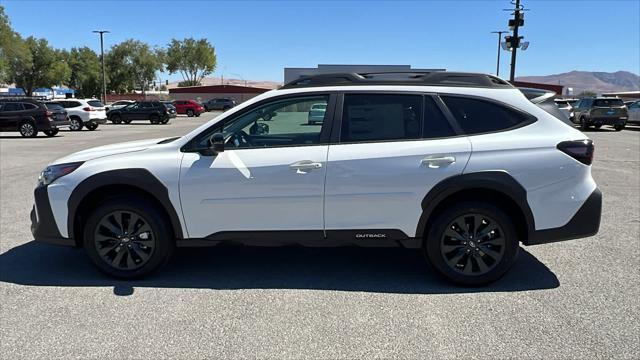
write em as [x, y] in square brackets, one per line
[87, 109]
[581, 150]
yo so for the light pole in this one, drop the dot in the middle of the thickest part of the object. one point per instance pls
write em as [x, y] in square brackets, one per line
[499, 41]
[104, 81]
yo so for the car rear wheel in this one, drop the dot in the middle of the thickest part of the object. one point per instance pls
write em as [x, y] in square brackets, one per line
[619, 127]
[91, 126]
[128, 237]
[189, 113]
[472, 243]
[75, 123]
[126, 121]
[27, 129]
[52, 132]
[154, 119]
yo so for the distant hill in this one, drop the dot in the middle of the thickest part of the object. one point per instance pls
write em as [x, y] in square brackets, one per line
[597, 82]
[228, 81]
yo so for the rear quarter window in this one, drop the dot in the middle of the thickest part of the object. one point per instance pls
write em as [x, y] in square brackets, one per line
[54, 106]
[95, 103]
[476, 116]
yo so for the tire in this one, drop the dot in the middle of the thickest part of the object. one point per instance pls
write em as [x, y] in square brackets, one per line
[597, 126]
[91, 126]
[76, 124]
[619, 127]
[165, 121]
[583, 124]
[126, 121]
[28, 129]
[442, 247]
[190, 113]
[52, 132]
[116, 119]
[154, 119]
[197, 115]
[139, 255]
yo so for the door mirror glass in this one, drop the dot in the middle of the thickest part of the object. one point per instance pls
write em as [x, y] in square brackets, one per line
[217, 143]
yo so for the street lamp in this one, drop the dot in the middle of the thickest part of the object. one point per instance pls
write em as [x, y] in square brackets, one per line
[499, 41]
[104, 81]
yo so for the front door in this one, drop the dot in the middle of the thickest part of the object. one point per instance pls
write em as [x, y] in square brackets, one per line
[393, 149]
[270, 176]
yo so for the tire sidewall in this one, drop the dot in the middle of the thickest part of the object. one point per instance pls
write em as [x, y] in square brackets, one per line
[164, 240]
[34, 130]
[80, 124]
[434, 234]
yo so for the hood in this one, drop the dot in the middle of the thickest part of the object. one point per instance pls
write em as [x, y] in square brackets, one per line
[107, 150]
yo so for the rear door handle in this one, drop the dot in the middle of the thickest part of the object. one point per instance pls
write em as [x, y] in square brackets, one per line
[435, 162]
[304, 165]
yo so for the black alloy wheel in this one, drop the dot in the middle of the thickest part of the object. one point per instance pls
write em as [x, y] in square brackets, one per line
[473, 244]
[124, 240]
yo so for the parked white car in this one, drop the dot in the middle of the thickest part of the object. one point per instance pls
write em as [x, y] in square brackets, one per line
[462, 167]
[634, 112]
[87, 113]
[119, 104]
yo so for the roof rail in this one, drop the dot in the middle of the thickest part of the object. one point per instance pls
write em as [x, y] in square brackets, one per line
[435, 78]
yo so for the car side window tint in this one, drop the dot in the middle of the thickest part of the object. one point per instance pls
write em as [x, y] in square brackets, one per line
[274, 124]
[381, 117]
[477, 116]
[12, 106]
[436, 124]
[28, 106]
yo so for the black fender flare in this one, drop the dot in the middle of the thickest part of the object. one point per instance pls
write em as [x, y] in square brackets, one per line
[498, 181]
[139, 178]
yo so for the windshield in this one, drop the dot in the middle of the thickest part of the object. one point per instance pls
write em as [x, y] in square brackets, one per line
[54, 106]
[607, 102]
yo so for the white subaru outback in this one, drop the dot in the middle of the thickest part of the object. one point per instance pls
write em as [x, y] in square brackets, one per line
[461, 166]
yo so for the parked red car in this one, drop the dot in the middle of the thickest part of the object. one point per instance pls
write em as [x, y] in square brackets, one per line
[189, 107]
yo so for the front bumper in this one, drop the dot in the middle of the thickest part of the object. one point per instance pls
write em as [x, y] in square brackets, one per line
[43, 224]
[98, 121]
[585, 223]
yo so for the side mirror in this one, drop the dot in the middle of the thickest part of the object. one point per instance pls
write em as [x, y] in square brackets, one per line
[217, 142]
[216, 145]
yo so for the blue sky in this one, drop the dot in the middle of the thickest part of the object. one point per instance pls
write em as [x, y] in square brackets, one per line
[258, 39]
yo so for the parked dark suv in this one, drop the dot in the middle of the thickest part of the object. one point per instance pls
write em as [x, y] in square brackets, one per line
[153, 111]
[600, 111]
[30, 116]
[219, 104]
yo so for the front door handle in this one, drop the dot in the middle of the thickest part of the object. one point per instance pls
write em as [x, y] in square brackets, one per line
[435, 162]
[305, 165]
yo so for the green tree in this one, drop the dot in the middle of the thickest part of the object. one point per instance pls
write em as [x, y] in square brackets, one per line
[86, 75]
[193, 59]
[13, 50]
[132, 65]
[46, 68]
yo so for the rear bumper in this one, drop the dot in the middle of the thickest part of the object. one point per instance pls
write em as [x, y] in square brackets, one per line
[43, 224]
[58, 123]
[585, 223]
[607, 121]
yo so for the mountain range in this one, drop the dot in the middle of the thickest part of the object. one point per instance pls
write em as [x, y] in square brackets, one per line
[598, 82]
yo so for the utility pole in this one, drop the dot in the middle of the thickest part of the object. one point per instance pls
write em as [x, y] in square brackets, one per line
[515, 23]
[499, 41]
[104, 81]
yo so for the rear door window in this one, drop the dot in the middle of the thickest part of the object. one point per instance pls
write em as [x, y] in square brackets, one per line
[95, 103]
[29, 106]
[476, 116]
[381, 117]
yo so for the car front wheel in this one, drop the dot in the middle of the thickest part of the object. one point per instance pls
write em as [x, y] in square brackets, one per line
[128, 237]
[472, 243]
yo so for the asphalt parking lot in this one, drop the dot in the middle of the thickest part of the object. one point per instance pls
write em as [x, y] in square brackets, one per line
[576, 299]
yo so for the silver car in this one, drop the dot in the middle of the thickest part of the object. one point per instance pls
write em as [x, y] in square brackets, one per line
[316, 113]
[634, 112]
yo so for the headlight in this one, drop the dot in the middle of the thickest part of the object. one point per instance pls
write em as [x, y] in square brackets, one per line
[53, 172]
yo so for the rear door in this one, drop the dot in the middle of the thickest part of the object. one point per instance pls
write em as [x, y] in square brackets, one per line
[393, 148]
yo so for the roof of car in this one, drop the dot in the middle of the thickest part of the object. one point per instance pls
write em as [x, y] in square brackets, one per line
[435, 78]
